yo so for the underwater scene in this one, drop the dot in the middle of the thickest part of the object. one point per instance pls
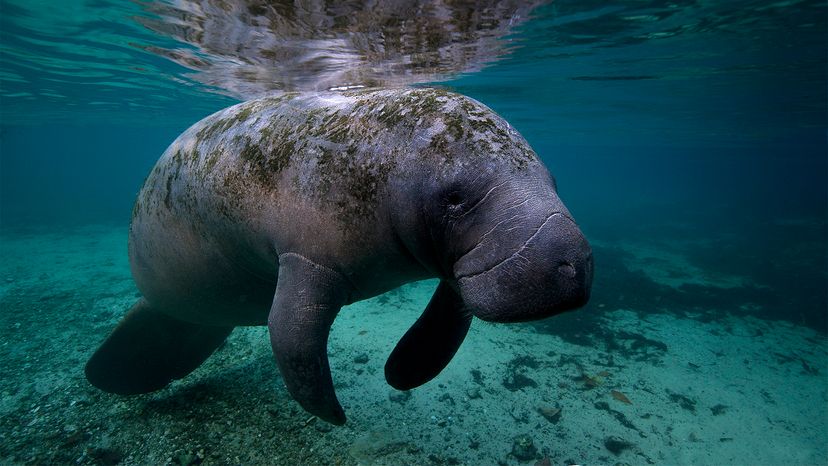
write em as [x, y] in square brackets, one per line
[332, 232]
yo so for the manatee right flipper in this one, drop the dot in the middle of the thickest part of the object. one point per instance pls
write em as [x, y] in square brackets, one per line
[148, 350]
[308, 297]
[428, 346]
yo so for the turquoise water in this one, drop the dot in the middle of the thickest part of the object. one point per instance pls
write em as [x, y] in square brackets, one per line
[688, 138]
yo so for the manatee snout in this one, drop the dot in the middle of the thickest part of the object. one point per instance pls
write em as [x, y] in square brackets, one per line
[550, 273]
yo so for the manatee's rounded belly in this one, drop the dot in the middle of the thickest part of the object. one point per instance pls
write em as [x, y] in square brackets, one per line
[188, 270]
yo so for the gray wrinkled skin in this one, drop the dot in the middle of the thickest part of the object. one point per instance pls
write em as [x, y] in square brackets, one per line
[355, 194]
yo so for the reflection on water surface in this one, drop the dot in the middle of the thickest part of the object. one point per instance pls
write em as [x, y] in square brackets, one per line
[247, 47]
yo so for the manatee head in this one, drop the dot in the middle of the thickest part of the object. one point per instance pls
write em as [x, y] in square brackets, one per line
[516, 253]
[497, 231]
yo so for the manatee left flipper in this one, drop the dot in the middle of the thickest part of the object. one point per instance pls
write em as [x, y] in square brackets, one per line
[428, 346]
[148, 350]
[308, 297]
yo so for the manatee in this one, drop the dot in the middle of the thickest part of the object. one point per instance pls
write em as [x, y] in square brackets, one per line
[281, 210]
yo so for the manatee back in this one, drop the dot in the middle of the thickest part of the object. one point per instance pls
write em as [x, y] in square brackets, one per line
[333, 150]
[263, 176]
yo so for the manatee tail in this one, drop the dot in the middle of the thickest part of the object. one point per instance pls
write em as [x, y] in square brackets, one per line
[148, 350]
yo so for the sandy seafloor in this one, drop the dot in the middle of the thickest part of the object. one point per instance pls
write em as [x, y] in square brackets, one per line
[727, 390]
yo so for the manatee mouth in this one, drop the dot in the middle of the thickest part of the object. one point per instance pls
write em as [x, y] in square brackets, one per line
[549, 273]
[489, 268]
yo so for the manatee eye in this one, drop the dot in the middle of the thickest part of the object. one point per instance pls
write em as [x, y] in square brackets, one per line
[454, 199]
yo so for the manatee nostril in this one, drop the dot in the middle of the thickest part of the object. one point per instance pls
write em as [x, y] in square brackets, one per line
[566, 269]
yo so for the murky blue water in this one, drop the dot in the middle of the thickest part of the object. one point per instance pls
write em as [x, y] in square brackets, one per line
[697, 128]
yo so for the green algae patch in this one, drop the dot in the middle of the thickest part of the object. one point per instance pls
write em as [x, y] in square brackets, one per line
[278, 99]
[219, 125]
[210, 130]
[336, 128]
[390, 115]
[440, 144]
[242, 115]
[455, 125]
[252, 153]
[210, 163]
[363, 178]
[263, 163]
[167, 196]
[281, 154]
